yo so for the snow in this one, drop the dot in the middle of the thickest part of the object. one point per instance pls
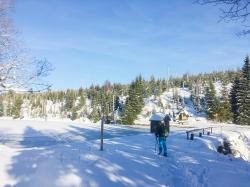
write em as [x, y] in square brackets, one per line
[46, 153]
[239, 139]
[164, 104]
[219, 87]
[58, 152]
[157, 117]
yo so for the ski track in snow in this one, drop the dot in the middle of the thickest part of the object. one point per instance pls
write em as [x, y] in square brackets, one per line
[186, 168]
[126, 161]
[178, 174]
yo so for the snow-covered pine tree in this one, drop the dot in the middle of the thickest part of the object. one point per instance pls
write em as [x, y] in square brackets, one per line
[95, 105]
[152, 85]
[134, 102]
[129, 109]
[74, 114]
[159, 87]
[224, 113]
[243, 94]
[16, 108]
[117, 103]
[233, 99]
[70, 99]
[81, 101]
[127, 116]
[175, 95]
[195, 95]
[212, 103]
[95, 114]
[139, 94]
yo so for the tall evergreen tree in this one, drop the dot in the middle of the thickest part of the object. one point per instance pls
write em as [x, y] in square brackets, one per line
[212, 103]
[95, 114]
[74, 114]
[234, 100]
[129, 112]
[243, 94]
[16, 108]
[69, 100]
[224, 113]
[139, 94]
[134, 102]
[152, 85]
[117, 103]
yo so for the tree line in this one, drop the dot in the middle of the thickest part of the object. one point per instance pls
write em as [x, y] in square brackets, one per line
[120, 102]
[234, 104]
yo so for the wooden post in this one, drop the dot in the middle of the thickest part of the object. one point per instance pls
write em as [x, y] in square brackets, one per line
[203, 131]
[200, 134]
[192, 136]
[211, 130]
[187, 135]
[102, 127]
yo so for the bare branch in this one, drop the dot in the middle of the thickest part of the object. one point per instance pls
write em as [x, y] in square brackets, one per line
[232, 10]
[17, 70]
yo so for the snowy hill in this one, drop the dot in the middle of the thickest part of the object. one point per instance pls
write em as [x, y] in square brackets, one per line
[165, 104]
[60, 106]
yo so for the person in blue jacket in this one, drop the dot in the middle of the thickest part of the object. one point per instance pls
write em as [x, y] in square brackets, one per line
[161, 134]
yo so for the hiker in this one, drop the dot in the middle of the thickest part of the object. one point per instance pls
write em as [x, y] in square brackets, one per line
[161, 134]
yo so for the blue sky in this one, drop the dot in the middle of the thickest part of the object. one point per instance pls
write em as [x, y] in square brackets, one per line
[90, 41]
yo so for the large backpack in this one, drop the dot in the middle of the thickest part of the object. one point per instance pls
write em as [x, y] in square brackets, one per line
[167, 119]
[162, 130]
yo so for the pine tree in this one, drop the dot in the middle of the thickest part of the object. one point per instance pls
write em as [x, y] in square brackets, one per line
[152, 85]
[74, 114]
[95, 114]
[195, 96]
[69, 100]
[243, 94]
[117, 103]
[139, 94]
[224, 113]
[134, 102]
[212, 103]
[128, 114]
[234, 101]
[95, 105]
[82, 100]
[16, 109]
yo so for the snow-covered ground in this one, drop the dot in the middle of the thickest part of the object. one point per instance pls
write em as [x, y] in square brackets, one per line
[67, 154]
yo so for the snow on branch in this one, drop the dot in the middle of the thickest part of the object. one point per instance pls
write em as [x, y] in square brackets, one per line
[24, 76]
[17, 70]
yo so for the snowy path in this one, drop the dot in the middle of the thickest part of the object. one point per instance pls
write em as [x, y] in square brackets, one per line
[126, 160]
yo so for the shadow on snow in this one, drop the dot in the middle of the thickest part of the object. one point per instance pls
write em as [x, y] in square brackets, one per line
[44, 162]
